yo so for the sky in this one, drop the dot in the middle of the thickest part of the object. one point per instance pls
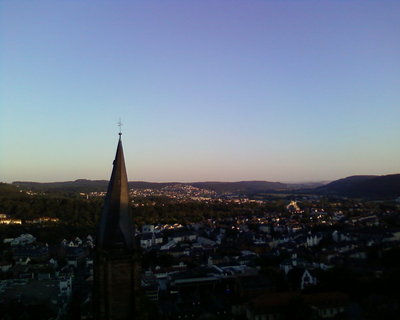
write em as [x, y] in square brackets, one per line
[217, 90]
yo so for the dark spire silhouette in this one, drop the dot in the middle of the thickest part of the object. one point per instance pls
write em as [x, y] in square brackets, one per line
[116, 226]
[116, 265]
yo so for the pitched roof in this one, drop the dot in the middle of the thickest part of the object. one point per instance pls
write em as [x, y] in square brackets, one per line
[116, 226]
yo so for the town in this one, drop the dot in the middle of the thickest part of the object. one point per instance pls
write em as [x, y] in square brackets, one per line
[290, 257]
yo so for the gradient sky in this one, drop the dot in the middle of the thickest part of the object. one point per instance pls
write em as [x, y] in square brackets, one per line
[207, 90]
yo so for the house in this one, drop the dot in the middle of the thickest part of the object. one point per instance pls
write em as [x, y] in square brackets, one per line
[286, 265]
[264, 228]
[182, 235]
[5, 266]
[293, 262]
[65, 285]
[146, 228]
[168, 245]
[149, 238]
[200, 275]
[146, 240]
[206, 241]
[32, 252]
[75, 243]
[151, 288]
[179, 251]
[313, 240]
[308, 278]
[338, 236]
[23, 240]
[161, 273]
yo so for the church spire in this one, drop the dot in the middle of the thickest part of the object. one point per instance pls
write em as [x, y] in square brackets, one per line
[116, 226]
[116, 282]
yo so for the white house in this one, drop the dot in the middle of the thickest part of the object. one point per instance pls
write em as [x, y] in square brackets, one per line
[308, 278]
[313, 240]
[148, 240]
[65, 286]
[23, 239]
[147, 228]
[5, 266]
[168, 245]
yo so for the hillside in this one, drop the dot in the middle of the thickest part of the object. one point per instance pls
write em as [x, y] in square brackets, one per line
[363, 186]
[83, 185]
[8, 190]
[240, 187]
[376, 187]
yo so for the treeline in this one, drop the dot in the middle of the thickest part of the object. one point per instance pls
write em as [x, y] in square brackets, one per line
[77, 211]
[73, 211]
[167, 211]
[79, 216]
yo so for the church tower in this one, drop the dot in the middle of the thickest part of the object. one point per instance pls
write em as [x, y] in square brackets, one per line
[116, 268]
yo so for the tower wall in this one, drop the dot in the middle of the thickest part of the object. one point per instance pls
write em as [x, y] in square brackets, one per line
[115, 288]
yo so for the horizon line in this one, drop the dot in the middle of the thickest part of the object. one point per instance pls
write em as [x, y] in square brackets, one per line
[210, 181]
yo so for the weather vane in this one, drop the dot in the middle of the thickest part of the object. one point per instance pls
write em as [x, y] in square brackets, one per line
[120, 127]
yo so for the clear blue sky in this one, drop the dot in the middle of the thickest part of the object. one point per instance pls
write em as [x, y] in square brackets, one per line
[207, 90]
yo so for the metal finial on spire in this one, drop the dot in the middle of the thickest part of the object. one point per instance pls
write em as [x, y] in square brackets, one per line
[120, 127]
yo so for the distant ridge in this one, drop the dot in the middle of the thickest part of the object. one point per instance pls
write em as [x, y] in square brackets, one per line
[240, 186]
[83, 185]
[364, 186]
[361, 186]
[80, 185]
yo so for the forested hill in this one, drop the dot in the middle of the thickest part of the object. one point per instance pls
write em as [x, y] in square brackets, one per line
[8, 189]
[241, 186]
[83, 185]
[378, 187]
[363, 186]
